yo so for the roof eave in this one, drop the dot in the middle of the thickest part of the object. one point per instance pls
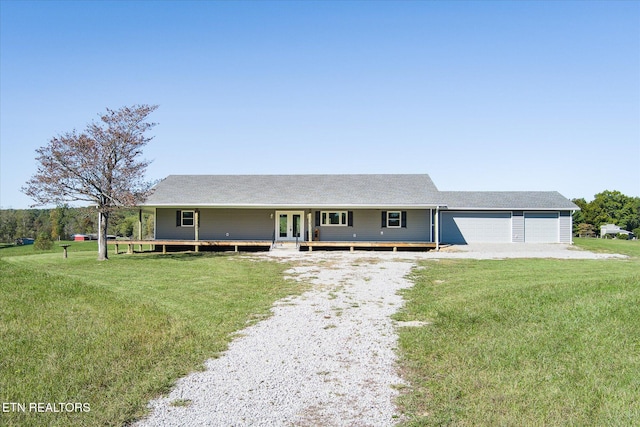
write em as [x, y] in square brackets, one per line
[476, 208]
[293, 206]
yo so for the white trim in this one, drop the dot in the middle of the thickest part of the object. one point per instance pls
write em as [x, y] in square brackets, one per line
[290, 234]
[343, 215]
[399, 219]
[431, 225]
[437, 228]
[547, 209]
[182, 224]
[293, 206]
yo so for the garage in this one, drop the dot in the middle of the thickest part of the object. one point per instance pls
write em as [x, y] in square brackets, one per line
[541, 227]
[475, 227]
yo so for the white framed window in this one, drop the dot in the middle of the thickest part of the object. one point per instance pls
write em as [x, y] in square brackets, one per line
[394, 219]
[335, 218]
[187, 219]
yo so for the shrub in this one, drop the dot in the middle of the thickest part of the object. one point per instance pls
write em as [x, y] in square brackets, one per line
[586, 230]
[43, 242]
[623, 236]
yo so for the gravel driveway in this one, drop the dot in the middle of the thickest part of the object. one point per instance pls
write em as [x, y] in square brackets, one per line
[325, 357]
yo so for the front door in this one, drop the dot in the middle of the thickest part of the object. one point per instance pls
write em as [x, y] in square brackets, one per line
[289, 226]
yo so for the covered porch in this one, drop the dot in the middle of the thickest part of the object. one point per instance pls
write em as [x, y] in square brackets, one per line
[238, 245]
[194, 245]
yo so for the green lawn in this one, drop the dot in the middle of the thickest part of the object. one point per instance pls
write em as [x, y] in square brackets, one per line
[8, 250]
[525, 342]
[618, 246]
[115, 334]
[513, 342]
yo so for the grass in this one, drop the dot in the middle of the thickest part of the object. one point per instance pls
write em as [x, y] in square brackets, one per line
[8, 250]
[513, 342]
[618, 246]
[115, 334]
[524, 342]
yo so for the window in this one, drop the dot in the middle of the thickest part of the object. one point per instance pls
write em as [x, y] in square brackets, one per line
[187, 219]
[334, 218]
[393, 219]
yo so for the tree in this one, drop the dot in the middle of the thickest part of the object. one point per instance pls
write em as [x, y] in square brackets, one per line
[127, 226]
[59, 221]
[101, 166]
[8, 225]
[84, 221]
[579, 215]
[608, 207]
[613, 207]
[43, 242]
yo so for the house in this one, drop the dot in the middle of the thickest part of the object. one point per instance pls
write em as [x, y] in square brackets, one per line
[613, 230]
[395, 210]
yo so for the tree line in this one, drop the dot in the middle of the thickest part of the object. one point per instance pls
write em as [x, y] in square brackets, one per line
[62, 222]
[607, 207]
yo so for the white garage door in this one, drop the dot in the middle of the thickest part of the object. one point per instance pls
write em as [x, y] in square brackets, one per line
[541, 227]
[476, 227]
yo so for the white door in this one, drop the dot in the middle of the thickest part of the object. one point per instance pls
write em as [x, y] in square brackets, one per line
[475, 227]
[289, 226]
[541, 227]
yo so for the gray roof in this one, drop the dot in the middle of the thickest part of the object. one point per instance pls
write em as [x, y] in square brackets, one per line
[296, 190]
[375, 190]
[512, 200]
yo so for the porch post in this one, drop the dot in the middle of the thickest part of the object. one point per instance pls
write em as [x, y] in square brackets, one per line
[196, 228]
[437, 228]
[140, 227]
[309, 232]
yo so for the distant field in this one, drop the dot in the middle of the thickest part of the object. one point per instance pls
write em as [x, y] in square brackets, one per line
[115, 334]
[525, 342]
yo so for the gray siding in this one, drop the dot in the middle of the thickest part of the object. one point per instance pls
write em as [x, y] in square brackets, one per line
[525, 227]
[517, 227]
[219, 224]
[166, 226]
[236, 224]
[367, 226]
[566, 227]
[260, 224]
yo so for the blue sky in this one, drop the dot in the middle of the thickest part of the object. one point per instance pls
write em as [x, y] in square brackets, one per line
[480, 95]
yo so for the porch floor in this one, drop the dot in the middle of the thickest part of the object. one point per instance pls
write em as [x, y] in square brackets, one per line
[237, 244]
[394, 246]
[196, 245]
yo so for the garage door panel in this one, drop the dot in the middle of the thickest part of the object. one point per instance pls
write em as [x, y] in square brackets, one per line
[541, 227]
[476, 227]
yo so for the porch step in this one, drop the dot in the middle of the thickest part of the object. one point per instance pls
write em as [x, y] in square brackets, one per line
[285, 246]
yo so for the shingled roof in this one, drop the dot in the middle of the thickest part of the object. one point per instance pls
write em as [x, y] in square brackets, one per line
[510, 200]
[379, 190]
